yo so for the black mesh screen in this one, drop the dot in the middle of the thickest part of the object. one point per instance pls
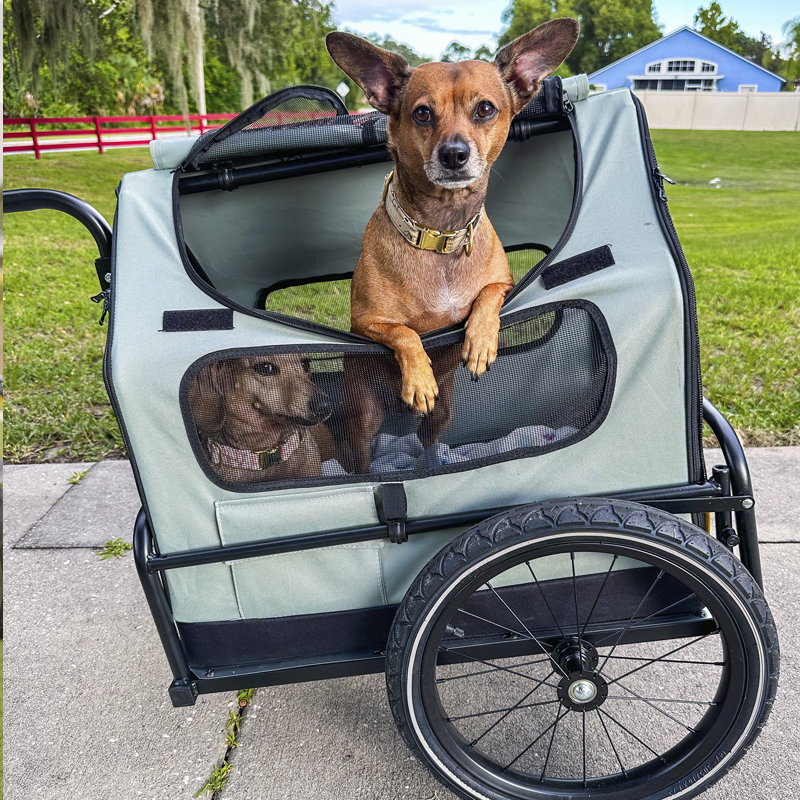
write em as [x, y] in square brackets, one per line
[267, 417]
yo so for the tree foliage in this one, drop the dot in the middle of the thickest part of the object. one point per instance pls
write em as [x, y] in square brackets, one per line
[610, 29]
[713, 23]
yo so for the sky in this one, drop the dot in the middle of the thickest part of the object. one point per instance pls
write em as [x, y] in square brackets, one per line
[428, 26]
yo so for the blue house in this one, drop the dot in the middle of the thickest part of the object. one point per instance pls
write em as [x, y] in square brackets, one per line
[686, 61]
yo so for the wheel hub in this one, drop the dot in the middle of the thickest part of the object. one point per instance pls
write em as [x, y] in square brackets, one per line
[582, 688]
[582, 691]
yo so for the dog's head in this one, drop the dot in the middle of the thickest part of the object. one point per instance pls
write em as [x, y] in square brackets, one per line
[449, 121]
[250, 399]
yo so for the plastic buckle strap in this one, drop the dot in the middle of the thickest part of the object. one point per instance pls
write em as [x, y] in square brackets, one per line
[395, 509]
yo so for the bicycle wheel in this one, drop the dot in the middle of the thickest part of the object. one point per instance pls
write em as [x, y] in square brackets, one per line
[582, 648]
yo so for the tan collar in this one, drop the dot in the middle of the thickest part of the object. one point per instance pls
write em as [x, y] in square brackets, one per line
[427, 238]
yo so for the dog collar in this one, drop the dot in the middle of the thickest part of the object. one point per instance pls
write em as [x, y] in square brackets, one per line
[427, 238]
[249, 459]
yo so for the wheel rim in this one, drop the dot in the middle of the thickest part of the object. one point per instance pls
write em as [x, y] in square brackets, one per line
[562, 724]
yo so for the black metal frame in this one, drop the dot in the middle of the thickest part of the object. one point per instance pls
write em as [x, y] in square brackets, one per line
[728, 495]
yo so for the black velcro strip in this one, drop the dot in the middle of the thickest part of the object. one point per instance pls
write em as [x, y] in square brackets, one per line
[576, 267]
[210, 319]
[393, 500]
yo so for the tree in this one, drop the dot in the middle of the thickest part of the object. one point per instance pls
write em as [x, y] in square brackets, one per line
[456, 51]
[713, 23]
[610, 29]
[413, 58]
[790, 68]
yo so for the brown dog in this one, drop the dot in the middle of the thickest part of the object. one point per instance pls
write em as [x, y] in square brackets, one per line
[448, 123]
[260, 419]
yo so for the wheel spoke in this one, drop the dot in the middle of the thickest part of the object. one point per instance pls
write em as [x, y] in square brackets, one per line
[555, 663]
[602, 586]
[501, 710]
[619, 760]
[630, 621]
[668, 660]
[541, 592]
[575, 592]
[660, 658]
[496, 624]
[485, 671]
[559, 716]
[630, 733]
[583, 727]
[660, 710]
[489, 664]
[513, 708]
[659, 699]
[649, 616]
[549, 727]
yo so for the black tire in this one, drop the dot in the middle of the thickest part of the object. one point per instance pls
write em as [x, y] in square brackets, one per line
[723, 599]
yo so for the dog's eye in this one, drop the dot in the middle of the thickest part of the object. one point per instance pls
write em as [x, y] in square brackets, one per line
[485, 109]
[422, 114]
[306, 365]
[265, 368]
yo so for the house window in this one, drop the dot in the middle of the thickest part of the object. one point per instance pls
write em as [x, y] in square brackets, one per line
[680, 66]
[673, 86]
[748, 87]
[654, 67]
[642, 84]
[709, 67]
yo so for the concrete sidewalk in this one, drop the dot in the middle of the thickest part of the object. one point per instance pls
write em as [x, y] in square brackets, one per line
[86, 710]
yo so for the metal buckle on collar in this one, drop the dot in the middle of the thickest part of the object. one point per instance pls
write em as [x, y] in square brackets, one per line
[268, 458]
[440, 241]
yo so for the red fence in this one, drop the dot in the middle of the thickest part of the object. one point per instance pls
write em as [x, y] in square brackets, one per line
[97, 137]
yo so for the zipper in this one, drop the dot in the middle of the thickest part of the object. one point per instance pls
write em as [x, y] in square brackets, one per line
[697, 471]
[105, 298]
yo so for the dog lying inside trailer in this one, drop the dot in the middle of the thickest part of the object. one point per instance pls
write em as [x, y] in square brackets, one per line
[261, 418]
[430, 256]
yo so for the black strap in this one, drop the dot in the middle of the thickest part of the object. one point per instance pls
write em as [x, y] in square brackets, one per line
[571, 269]
[198, 319]
[394, 510]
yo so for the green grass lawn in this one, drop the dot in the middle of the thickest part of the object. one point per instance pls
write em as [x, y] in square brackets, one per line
[742, 241]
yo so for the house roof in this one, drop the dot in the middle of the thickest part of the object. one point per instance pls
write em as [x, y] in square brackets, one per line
[696, 33]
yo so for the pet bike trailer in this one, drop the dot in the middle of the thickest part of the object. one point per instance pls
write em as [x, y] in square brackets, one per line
[553, 587]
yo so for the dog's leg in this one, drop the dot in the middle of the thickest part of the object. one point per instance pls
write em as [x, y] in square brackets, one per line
[419, 390]
[363, 407]
[482, 328]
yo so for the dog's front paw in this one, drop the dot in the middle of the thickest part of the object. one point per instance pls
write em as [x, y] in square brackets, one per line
[480, 347]
[419, 387]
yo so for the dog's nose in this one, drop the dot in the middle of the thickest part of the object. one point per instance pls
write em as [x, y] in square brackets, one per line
[453, 155]
[319, 405]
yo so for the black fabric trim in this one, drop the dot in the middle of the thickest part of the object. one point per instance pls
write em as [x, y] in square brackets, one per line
[435, 339]
[239, 642]
[578, 266]
[513, 248]
[263, 294]
[577, 199]
[201, 319]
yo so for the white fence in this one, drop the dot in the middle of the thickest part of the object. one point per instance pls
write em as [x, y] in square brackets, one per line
[723, 111]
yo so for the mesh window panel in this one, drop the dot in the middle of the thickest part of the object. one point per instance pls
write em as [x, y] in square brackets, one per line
[273, 417]
[327, 302]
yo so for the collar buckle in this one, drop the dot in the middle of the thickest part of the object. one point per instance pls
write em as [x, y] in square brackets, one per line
[440, 241]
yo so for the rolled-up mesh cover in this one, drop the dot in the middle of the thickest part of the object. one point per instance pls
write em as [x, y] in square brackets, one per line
[274, 417]
[301, 124]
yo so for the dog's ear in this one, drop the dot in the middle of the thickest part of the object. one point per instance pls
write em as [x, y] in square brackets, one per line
[206, 400]
[527, 61]
[381, 74]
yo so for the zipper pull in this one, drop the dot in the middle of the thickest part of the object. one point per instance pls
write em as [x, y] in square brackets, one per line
[659, 178]
[105, 298]
[568, 107]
